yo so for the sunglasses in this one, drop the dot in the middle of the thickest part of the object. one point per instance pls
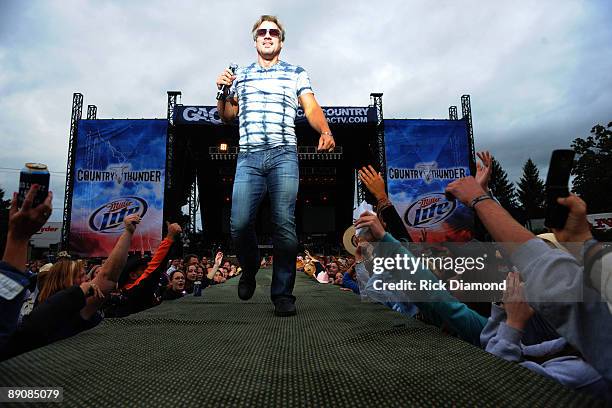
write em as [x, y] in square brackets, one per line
[273, 32]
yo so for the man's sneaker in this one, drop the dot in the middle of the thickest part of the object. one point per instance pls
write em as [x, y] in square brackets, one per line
[284, 308]
[246, 287]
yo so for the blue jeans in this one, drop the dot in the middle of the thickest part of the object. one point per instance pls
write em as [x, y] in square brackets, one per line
[275, 171]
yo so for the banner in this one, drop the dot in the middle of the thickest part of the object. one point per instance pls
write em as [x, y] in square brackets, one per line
[339, 115]
[119, 170]
[48, 234]
[423, 156]
[602, 221]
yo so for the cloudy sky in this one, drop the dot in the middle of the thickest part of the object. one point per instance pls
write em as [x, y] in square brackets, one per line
[539, 72]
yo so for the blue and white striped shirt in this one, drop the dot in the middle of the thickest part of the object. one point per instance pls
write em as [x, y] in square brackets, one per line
[268, 103]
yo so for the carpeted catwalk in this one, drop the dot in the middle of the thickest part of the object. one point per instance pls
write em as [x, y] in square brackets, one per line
[338, 351]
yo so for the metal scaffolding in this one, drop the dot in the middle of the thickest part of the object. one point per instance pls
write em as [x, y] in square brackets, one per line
[77, 113]
[466, 111]
[92, 112]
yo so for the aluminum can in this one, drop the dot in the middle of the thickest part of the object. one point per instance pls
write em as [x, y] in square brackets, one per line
[33, 173]
[197, 288]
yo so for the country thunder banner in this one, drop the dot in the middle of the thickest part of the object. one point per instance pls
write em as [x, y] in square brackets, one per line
[119, 170]
[423, 156]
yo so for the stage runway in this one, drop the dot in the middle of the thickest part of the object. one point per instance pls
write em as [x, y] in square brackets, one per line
[218, 351]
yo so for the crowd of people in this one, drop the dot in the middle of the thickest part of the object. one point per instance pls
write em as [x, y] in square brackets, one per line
[554, 317]
[41, 303]
[555, 313]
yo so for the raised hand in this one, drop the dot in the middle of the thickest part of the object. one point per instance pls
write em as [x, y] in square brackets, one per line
[173, 230]
[218, 258]
[517, 308]
[484, 169]
[226, 78]
[130, 222]
[26, 221]
[465, 189]
[373, 182]
[577, 228]
[371, 221]
[91, 289]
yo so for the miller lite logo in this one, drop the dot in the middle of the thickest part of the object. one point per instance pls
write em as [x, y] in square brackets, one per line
[429, 210]
[109, 217]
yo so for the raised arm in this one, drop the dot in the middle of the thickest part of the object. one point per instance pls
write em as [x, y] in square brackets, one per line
[228, 106]
[173, 231]
[215, 268]
[384, 208]
[106, 280]
[23, 223]
[503, 228]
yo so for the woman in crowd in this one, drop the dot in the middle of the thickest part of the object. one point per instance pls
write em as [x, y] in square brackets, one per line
[176, 288]
[63, 274]
[191, 274]
[233, 271]
[338, 279]
[218, 277]
[199, 273]
[67, 303]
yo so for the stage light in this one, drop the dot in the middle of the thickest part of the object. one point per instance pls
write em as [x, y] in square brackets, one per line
[223, 147]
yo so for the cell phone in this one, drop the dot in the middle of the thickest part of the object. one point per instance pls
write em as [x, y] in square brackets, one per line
[557, 185]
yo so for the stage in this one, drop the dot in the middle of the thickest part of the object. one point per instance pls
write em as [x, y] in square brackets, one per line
[204, 153]
[215, 350]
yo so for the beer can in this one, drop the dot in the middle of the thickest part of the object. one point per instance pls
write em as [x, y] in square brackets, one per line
[197, 288]
[33, 173]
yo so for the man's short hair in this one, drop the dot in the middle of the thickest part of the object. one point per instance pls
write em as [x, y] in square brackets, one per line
[187, 258]
[272, 19]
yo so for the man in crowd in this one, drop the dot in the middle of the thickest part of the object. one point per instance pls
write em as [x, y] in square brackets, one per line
[189, 260]
[174, 265]
[554, 280]
[265, 96]
[14, 279]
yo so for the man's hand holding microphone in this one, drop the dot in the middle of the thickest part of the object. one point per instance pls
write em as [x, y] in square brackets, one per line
[225, 81]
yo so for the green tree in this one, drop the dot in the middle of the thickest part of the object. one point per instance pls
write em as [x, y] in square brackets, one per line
[593, 168]
[501, 188]
[4, 204]
[4, 211]
[531, 191]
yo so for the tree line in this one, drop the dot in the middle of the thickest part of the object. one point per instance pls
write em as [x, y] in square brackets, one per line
[592, 178]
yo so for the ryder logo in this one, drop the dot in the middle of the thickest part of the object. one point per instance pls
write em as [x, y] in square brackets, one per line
[429, 210]
[109, 217]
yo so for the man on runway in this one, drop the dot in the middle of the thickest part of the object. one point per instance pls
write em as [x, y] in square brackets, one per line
[265, 97]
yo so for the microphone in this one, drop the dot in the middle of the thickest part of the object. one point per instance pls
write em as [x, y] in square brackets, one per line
[221, 92]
